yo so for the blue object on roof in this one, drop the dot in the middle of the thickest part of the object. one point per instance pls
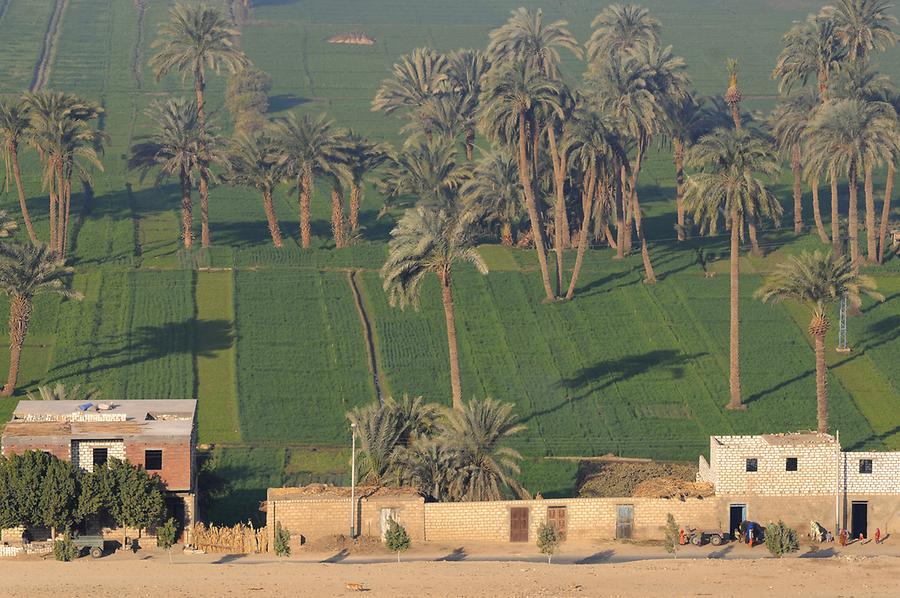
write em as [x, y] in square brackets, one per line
[85, 406]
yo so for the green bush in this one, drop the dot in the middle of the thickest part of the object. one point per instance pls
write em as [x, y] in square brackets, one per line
[672, 536]
[64, 549]
[282, 541]
[396, 538]
[781, 540]
[165, 534]
[548, 540]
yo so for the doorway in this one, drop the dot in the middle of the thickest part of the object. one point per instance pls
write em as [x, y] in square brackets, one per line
[518, 524]
[736, 515]
[624, 521]
[859, 519]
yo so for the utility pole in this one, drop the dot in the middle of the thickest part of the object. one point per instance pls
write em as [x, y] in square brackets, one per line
[352, 479]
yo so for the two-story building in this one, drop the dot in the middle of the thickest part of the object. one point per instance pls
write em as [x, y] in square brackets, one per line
[158, 436]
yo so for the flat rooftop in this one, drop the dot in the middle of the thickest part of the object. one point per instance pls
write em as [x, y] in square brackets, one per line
[134, 419]
[792, 439]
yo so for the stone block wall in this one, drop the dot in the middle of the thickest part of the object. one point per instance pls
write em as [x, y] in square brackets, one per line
[885, 476]
[83, 452]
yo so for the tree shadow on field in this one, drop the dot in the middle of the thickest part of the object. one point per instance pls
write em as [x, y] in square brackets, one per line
[203, 338]
[604, 374]
[285, 101]
[598, 557]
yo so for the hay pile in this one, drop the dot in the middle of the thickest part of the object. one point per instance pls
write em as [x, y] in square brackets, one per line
[615, 478]
[238, 539]
[356, 38]
[669, 487]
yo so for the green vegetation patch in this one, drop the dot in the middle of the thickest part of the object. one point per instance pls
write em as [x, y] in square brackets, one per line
[235, 481]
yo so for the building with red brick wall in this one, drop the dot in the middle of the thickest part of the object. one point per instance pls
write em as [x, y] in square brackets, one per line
[158, 436]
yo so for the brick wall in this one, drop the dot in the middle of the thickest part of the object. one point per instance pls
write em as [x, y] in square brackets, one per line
[177, 461]
[59, 450]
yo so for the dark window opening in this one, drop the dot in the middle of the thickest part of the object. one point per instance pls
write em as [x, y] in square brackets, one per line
[865, 466]
[752, 464]
[100, 456]
[153, 460]
[790, 464]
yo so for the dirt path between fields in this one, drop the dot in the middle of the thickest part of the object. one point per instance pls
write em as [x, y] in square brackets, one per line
[371, 351]
[48, 49]
[209, 576]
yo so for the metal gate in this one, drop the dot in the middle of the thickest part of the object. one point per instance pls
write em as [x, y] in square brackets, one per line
[518, 524]
[556, 516]
[624, 521]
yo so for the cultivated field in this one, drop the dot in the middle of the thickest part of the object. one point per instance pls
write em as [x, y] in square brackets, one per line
[272, 343]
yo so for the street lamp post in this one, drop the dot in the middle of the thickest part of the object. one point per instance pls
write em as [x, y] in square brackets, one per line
[352, 479]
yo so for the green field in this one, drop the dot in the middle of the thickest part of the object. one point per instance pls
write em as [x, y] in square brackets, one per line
[270, 341]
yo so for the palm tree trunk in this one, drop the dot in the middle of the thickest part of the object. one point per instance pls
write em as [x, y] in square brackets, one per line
[337, 217]
[559, 181]
[649, 274]
[587, 201]
[734, 376]
[798, 189]
[871, 239]
[836, 248]
[678, 154]
[52, 217]
[17, 175]
[885, 212]
[19, 315]
[355, 200]
[470, 143]
[187, 216]
[269, 208]
[620, 214]
[447, 298]
[853, 217]
[60, 208]
[821, 385]
[736, 115]
[306, 190]
[204, 210]
[506, 236]
[65, 232]
[817, 210]
[537, 230]
[754, 237]
[199, 85]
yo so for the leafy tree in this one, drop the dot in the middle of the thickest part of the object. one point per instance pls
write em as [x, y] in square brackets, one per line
[166, 534]
[396, 539]
[282, 541]
[134, 498]
[548, 539]
[733, 164]
[254, 161]
[58, 496]
[431, 238]
[672, 535]
[14, 126]
[781, 540]
[247, 98]
[65, 550]
[24, 474]
[26, 271]
[817, 280]
[525, 38]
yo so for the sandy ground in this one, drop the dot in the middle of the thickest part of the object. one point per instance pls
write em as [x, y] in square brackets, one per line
[612, 571]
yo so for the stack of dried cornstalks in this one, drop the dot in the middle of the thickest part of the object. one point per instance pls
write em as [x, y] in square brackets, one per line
[237, 539]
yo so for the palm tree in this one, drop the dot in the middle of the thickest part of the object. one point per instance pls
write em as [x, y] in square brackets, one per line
[790, 120]
[380, 429]
[852, 136]
[427, 172]
[429, 465]
[416, 78]
[27, 271]
[310, 148]
[466, 71]
[733, 95]
[363, 156]
[811, 50]
[862, 26]
[525, 38]
[197, 38]
[431, 238]
[621, 29]
[175, 149]
[60, 392]
[817, 280]
[494, 192]
[485, 468]
[512, 102]
[253, 161]
[598, 151]
[14, 125]
[732, 163]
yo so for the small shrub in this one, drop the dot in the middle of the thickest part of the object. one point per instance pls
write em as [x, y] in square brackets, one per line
[165, 534]
[396, 538]
[672, 533]
[282, 541]
[548, 540]
[64, 549]
[781, 540]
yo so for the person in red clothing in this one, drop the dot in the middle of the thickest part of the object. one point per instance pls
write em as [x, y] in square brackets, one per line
[878, 535]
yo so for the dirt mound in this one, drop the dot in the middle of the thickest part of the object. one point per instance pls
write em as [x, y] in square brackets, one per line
[669, 487]
[345, 544]
[356, 38]
[613, 478]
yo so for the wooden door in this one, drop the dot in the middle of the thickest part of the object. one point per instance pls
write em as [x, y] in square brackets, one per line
[624, 521]
[557, 518]
[518, 524]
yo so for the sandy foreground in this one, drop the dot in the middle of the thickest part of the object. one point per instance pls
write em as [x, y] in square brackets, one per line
[152, 574]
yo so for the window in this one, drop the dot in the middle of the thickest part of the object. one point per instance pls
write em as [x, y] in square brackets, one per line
[153, 460]
[865, 466]
[100, 456]
[790, 464]
[751, 464]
